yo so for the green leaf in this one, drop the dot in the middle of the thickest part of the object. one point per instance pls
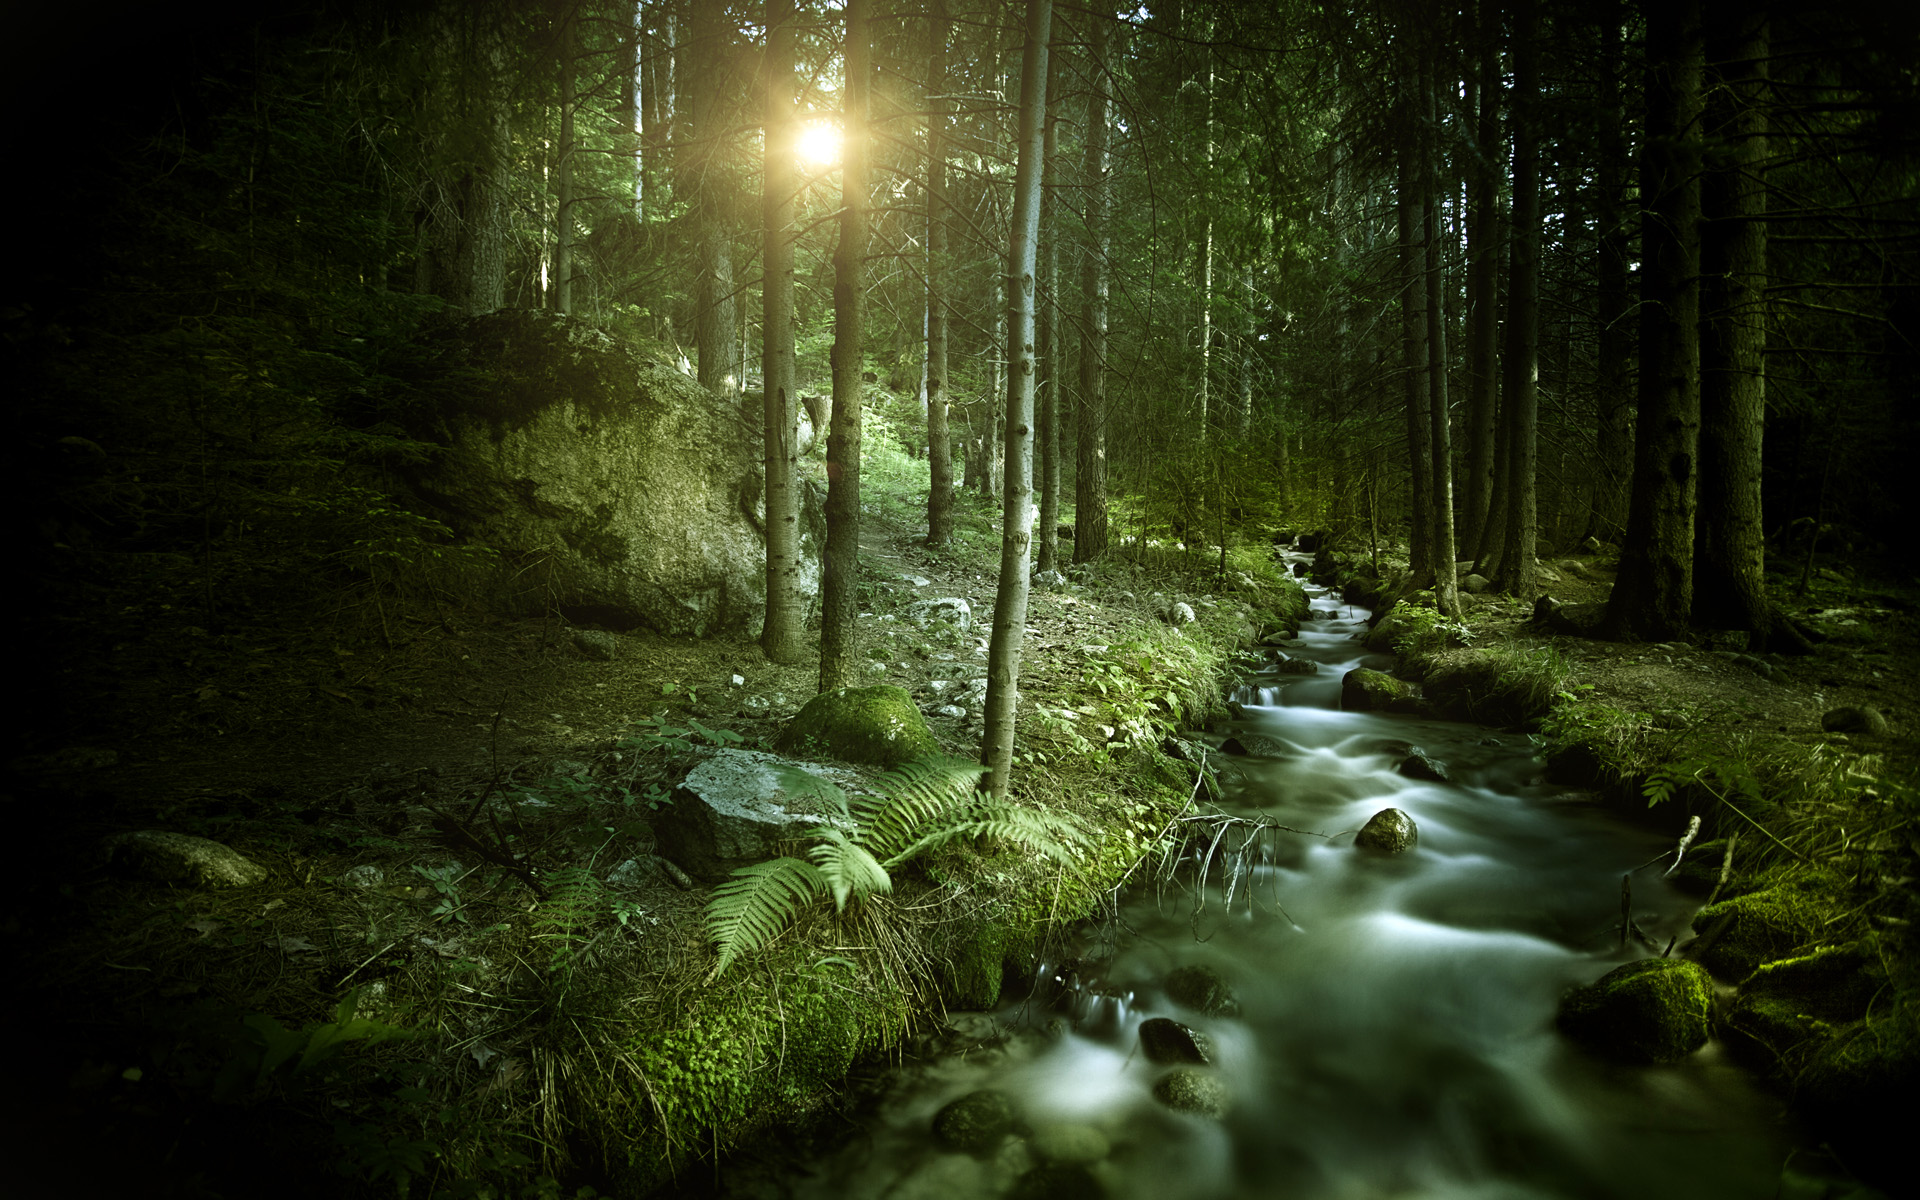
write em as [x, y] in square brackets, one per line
[848, 869]
[750, 909]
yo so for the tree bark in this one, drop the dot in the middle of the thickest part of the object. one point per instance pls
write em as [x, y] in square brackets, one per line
[1653, 594]
[1520, 394]
[1613, 383]
[1416, 379]
[1010, 597]
[714, 317]
[1046, 316]
[1729, 589]
[939, 441]
[1434, 276]
[563, 182]
[781, 636]
[1483, 283]
[465, 222]
[1090, 448]
[839, 601]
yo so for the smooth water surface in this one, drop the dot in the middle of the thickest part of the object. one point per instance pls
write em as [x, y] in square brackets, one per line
[1396, 1034]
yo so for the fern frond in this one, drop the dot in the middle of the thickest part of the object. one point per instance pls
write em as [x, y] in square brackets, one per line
[848, 869]
[1050, 834]
[750, 909]
[805, 784]
[575, 897]
[914, 796]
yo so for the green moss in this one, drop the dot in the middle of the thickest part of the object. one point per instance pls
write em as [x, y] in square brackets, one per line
[877, 725]
[1738, 935]
[1365, 690]
[1656, 1010]
[1495, 687]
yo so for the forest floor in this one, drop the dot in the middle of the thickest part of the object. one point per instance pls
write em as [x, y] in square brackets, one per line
[315, 743]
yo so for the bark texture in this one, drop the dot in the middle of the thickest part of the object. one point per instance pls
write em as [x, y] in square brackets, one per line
[1090, 449]
[781, 637]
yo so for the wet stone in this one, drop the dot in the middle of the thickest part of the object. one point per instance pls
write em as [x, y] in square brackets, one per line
[1189, 1091]
[1203, 990]
[1057, 1181]
[1168, 1041]
[1388, 831]
[1851, 719]
[1068, 1144]
[975, 1122]
[1656, 1010]
[1421, 765]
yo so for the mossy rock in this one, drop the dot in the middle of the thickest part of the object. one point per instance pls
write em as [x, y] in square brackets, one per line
[1069, 1144]
[975, 1122]
[878, 725]
[1857, 1090]
[1202, 989]
[1189, 1091]
[1657, 1010]
[1389, 831]
[1738, 935]
[1366, 690]
[1058, 1181]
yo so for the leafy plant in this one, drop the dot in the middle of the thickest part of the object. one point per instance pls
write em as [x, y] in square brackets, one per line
[575, 898]
[446, 881]
[265, 1046]
[921, 806]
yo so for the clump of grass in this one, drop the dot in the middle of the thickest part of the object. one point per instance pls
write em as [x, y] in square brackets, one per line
[1500, 686]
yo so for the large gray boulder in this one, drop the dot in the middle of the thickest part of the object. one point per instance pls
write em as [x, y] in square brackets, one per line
[741, 807]
[615, 486]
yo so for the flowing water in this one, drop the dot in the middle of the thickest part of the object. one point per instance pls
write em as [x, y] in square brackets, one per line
[1395, 1034]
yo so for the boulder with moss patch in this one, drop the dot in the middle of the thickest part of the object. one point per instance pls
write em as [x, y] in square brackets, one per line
[181, 858]
[1202, 989]
[1738, 935]
[975, 1122]
[1186, 1090]
[741, 807]
[1388, 831]
[1657, 1010]
[879, 725]
[1365, 690]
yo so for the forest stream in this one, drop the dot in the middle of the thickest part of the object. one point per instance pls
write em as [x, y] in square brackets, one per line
[1392, 1032]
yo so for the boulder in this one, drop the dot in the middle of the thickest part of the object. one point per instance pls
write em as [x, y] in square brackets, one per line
[181, 858]
[1657, 1010]
[614, 485]
[741, 807]
[878, 725]
[595, 644]
[1186, 1090]
[1202, 989]
[1737, 936]
[954, 610]
[1297, 666]
[1070, 1144]
[1164, 1040]
[1049, 580]
[1057, 1181]
[1418, 764]
[1476, 584]
[1852, 719]
[975, 1122]
[1576, 620]
[1180, 613]
[1388, 831]
[1245, 744]
[1365, 690]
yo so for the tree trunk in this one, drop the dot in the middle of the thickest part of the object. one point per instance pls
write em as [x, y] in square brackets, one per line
[1047, 309]
[1653, 594]
[1613, 440]
[714, 317]
[1729, 590]
[939, 441]
[1436, 311]
[1010, 597]
[465, 223]
[781, 637]
[1483, 283]
[839, 601]
[1416, 379]
[1519, 407]
[1090, 449]
[563, 172]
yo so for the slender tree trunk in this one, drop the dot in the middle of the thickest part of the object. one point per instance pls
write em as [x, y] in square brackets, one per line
[1010, 598]
[1416, 378]
[1653, 594]
[563, 172]
[464, 227]
[1483, 282]
[939, 441]
[1729, 589]
[714, 315]
[1434, 282]
[781, 637]
[1090, 449]
[1047, 302]
[1520, 399]
[839, 601]
[1613, 383]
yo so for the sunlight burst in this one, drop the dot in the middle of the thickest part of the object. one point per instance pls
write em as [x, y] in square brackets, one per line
[820, 143]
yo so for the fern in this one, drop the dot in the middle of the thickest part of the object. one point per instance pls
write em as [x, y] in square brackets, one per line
[751, 909]
[921, 806]
[575, 899]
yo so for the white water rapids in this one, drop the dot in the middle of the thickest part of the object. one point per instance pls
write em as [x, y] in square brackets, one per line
[1396, 1033]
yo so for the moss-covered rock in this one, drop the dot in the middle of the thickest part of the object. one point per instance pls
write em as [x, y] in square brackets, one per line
[975, 1122]
[1738, 935]
[1069, 1144]
[1388, 831]
[1164, 1040]
[878, 725]
[1365, 690]
[181, 858]
[1657, 1010]
[1202, 989]
[1058, 1181]
[1186, 1090]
